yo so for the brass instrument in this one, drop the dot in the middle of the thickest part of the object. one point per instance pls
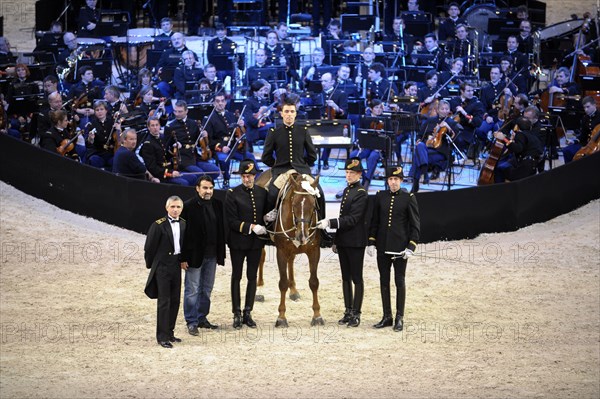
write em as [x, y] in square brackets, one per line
[66, 74]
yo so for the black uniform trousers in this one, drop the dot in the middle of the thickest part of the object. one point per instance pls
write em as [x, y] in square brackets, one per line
[351, 263]
[168, 281]
[252, 257]
[384, 264]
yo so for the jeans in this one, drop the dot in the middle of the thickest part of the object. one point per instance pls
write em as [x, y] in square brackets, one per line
[199, 283]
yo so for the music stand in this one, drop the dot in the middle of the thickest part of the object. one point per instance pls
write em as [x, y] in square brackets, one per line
[268, 74]
[24, 104]
[357, 22]
[375, 140]
[199, 112]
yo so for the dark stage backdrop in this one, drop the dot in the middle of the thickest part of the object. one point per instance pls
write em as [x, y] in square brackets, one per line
[445, 215]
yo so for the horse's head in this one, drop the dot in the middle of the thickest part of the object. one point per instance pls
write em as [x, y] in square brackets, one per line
[303, 198]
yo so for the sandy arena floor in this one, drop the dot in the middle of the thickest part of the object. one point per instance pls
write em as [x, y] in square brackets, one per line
[504, 315]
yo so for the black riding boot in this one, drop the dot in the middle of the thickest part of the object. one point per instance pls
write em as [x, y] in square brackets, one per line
[359, 290]
[235, 304]
[387, 320]
[347, 290]
[249, 304]
[400, 299]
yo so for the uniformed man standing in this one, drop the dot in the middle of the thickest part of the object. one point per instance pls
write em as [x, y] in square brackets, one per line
[394, 231]
[245, 207]
[351, 240]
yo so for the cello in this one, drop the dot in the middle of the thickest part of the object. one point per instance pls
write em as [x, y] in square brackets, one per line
[591, 147]
[486, 176]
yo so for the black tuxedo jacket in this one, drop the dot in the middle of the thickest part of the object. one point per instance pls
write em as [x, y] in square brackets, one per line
[158, 249]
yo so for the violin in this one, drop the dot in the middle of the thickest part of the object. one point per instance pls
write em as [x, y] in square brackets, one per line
[435, 141]
[67, 145]
[240, 132]
[205, 152]
[506, 103]
[591, 147]
[377, 125]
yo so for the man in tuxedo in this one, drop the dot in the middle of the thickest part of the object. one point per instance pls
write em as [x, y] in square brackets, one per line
[162, 252]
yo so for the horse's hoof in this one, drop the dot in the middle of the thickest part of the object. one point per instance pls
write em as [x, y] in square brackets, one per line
[295, 297]
[259, 298]
[317, 321]
[281, 323]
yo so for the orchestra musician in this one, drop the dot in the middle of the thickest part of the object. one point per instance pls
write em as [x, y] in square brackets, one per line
[379, 86]
[519, 60]
[524, 149]
[189, 71]
[222, 139]
[257, 110]
[518, 78]
[371, 155]
[159, 161]
[431, 48]
[70, 40]
[214, 83]
[490, 98]
[425, 94]
[334, 32]
[89, 16]
[361, 71]
[431, 153]
[311, 72]
[163, 40]
[344, 82]
[562, 85]
[112, 95]
[256, 71]
[52, 138]
[144, 79]
[170, 59]
[460, 46]
[335, 107]
[102, 137]
[183, 133]
[447, 28]
[590, 120]
[525, 38]
[455, 72]
[222, 47]
[471, 111]
[150, 105]
[89, 88]
[400, 37]
[276, 55]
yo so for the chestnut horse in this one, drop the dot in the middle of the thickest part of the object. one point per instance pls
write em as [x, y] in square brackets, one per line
[295, 233]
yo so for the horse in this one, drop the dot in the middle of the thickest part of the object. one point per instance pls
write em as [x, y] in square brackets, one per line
[295, 233]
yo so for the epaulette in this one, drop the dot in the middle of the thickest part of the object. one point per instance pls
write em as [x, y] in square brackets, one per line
[305, 127]
[161, 220]
[272, 129]
[361, 189]
[147, 141]
[231, 189]
[412, 194]
[169, 123]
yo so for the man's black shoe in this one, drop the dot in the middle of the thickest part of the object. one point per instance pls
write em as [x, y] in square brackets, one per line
[175, 339]
[207, 324]
[193, 330]
[325, 166]
[165, 344]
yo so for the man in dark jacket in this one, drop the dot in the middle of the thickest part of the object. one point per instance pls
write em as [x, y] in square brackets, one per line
[203, 249]
[245, 209]
[394, 232]
[162, 252]
[351, 240]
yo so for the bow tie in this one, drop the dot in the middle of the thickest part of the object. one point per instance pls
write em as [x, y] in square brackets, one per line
[174, 220]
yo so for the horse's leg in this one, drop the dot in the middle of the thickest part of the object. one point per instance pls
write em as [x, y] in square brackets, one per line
[313, 260]
[259, 297]
[294, 294]
[283, 286]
